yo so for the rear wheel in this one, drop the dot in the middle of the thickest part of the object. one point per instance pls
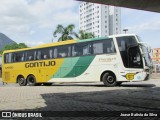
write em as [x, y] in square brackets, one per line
[31, 80]
[21, 81]
[109, 79]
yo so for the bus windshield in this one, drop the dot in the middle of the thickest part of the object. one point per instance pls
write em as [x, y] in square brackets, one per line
[145, 52]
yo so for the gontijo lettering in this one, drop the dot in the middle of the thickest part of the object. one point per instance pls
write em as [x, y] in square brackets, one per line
[40, 64]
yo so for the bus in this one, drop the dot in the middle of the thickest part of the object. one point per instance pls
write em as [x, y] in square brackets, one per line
[111, 60]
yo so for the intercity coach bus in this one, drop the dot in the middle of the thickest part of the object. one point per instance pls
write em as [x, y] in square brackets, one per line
[111, 60]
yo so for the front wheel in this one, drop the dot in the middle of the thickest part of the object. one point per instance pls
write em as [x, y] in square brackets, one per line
[31, 80]
[22, 81]
[109, 80]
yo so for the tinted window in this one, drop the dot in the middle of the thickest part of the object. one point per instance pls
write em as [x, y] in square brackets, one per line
[6, 58]
[45, 53]
[18, 57]
[62, 51]
[103, 46]
[30, 55]
[125, 42]
[98, 47]
[81, 49]
[109, 46]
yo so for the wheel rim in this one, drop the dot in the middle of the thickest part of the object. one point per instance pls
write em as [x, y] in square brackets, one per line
[31, 80]
[21, 80]
[110, 79]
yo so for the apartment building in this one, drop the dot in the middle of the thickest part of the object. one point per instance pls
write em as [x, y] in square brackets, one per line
[102, 20]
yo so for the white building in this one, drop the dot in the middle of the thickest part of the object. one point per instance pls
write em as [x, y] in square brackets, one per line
[102, 20]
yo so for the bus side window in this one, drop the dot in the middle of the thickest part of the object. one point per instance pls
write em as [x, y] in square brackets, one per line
[81, 49]
[98, 47]
[74, 52]
[55, 52]
[44, 53]
[18, 57]
[50, 53]
[64, 51]
[30, 55]
[10, 60]
[38, 55]
[6, 58]
[22, 58]
[109, 46]
[15, 57]
[45, 56]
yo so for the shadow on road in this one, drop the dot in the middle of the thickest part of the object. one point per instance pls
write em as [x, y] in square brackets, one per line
[128, 97]
[108, 100]
[138, 85]
[101, 85]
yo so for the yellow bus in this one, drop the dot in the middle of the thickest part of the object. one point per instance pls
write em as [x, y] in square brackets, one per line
[111, 60]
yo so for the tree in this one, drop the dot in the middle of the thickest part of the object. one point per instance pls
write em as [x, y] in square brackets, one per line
[14, 46]
[85, 35]
[66, 32]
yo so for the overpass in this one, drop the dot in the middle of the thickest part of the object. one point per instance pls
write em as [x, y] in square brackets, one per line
[148, 5]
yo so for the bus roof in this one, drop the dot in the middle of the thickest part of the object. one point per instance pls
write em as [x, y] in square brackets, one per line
[67, 42]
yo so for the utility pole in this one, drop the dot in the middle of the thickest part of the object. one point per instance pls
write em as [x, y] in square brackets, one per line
[125, 30]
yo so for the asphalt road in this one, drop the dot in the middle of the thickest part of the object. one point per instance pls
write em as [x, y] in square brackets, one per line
[139, 96]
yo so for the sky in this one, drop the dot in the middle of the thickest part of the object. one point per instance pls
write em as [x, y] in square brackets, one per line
[33, 21]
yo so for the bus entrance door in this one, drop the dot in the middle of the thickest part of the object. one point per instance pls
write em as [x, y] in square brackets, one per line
[135, 63]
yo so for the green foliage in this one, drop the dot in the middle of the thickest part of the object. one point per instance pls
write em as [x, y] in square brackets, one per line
[65, 32]
[14, 46]
[1, 52]
[85, 35]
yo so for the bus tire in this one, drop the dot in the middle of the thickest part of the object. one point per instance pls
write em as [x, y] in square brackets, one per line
[47, 84]
[21, 81]
[109, 79]
[31, 80]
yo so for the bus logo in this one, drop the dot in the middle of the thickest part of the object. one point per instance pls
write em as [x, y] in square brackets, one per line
[6, 114]
[130, 76]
